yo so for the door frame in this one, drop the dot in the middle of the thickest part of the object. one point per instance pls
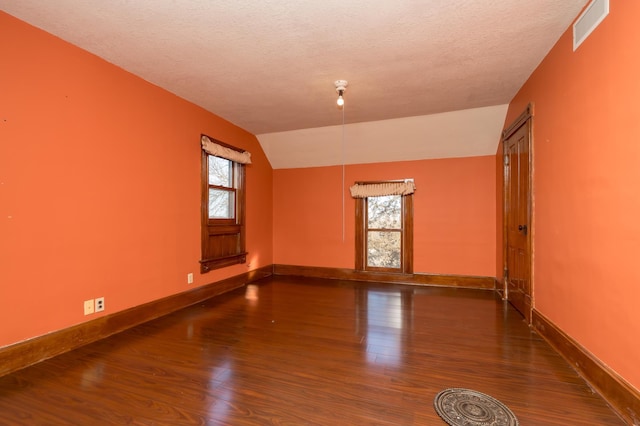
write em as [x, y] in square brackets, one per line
[524, 119]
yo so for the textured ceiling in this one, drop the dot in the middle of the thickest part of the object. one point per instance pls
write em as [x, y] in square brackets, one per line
[269, 66]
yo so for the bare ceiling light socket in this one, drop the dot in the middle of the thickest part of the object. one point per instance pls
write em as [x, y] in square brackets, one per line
[341, 86]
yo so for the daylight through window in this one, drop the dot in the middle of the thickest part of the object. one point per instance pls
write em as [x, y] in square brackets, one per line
[384, 231]
[384, 227]
[222, 194]
[222, 227]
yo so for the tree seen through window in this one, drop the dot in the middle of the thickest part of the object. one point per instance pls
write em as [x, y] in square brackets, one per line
[221, 191]
[384, 231]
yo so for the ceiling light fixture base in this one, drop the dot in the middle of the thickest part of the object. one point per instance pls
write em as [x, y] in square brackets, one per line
[341, 85]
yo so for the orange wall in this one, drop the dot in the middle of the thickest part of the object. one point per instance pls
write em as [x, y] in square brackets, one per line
[454, 214]
[100, 186]
[586, 135]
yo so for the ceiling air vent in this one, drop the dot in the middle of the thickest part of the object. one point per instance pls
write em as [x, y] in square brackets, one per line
[589, 20]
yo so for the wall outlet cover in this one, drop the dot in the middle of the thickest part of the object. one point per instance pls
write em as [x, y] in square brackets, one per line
[88, 307]
[99, 304]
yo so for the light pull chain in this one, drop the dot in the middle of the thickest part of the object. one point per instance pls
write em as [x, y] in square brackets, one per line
[343, 167]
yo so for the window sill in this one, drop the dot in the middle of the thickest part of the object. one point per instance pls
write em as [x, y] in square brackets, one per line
[207, 265]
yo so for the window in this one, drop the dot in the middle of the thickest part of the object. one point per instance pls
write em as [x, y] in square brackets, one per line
[222, 227]
[384, 231]
[222, 191]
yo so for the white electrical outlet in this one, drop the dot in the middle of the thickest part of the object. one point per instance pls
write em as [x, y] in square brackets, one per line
[190, 278]
[99, 304]
[88, 307]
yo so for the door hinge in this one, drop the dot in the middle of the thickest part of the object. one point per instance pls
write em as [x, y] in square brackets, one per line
[506, 274]
[506, 160]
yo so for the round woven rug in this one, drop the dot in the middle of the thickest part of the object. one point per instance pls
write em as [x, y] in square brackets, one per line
[465, 407]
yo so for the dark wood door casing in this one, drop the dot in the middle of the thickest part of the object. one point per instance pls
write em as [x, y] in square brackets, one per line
[517, 214]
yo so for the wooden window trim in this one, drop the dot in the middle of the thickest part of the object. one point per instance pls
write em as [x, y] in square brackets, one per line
[406, 237]
[215, 232]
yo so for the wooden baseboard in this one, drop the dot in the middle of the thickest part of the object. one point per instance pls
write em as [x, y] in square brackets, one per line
[462, 281]
[32, 351]
[623, 397]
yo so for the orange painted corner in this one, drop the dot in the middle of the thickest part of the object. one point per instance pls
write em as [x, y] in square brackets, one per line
[100, 186]
[586, 184]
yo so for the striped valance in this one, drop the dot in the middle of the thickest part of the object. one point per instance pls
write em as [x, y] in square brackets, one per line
[378, 189]
[218, 150]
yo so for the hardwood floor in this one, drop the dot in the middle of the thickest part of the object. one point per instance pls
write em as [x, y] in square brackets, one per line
[294, 351]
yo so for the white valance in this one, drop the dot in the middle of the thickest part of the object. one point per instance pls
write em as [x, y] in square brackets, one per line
[378, 189]
[218, 150]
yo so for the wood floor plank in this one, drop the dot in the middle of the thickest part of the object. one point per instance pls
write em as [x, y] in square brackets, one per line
[299, 351]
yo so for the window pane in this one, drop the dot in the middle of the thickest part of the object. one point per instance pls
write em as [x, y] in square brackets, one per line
[383, 249]
[221, 204]
[220, 171]
[384, 212]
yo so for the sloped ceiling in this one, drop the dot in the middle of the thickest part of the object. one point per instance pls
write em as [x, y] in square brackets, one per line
[269, 66]
[451, 134]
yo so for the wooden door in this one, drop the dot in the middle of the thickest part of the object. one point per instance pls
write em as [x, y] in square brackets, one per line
[517, 214]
